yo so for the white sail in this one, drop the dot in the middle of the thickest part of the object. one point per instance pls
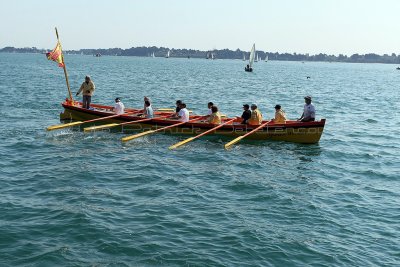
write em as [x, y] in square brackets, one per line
[153, 55]
[266, 58]
[167, 55]
[212, 55]
[252, 54]
[244, 57]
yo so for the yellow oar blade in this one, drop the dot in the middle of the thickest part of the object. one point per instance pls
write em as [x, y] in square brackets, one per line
[128, 138]
[61, 126]
[100, 127]
[234, 141]
[181, 143]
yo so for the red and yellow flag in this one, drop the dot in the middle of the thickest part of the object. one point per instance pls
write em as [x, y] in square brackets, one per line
[56, 55]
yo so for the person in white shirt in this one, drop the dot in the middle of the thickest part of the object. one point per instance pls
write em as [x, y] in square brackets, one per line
[119, 107]
[144, 100]
[309, 111]
[183, 114]
[148, 112]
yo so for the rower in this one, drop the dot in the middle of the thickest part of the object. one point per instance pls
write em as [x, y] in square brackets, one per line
[309, 111]
[183, 114]
[215, 117]
[119, 107]
[148, 112]
[280, 115]
[177, 109]
[256, 116]
[210, 105]
[144, 101]
[246, 114]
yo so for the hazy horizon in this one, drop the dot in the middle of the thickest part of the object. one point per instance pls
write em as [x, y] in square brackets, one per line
[308, 26]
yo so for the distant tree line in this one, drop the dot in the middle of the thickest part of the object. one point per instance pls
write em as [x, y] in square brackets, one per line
[218, 54]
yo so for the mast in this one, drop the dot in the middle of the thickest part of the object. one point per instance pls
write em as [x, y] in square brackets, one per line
[65, 70]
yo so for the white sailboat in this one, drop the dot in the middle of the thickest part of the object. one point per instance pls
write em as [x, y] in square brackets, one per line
[152, 55]
[251, 59]
[244, 57]
[256, 59]
[266, 58]
[167, 55]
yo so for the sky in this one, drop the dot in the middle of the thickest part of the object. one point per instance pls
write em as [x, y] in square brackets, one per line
[292, 26]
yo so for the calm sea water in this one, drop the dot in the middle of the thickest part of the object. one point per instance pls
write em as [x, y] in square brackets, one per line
[74, 199]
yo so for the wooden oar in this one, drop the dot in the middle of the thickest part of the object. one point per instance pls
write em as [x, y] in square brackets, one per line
[234, 141]
[128, 138]
[106, 126]
[165, 109]
[200, 135]
[66, 125]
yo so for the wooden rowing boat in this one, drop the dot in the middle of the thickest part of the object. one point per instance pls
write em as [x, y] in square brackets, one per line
[291, 131]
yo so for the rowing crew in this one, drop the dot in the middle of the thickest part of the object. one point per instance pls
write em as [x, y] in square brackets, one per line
[251, 115]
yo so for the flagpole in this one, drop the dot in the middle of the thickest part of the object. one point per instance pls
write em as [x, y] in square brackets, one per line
[65, 72]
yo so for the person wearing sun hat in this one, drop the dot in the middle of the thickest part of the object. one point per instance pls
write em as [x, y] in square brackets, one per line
[309, 110]
[256, 116]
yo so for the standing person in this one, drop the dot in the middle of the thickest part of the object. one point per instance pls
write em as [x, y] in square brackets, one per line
[87, 89]
[215, 117]
[210, 105]
[280, 115]
[148, 112]
[183, 114]
[309, 111]
[256, 116]
[246, 114]
[119, 107]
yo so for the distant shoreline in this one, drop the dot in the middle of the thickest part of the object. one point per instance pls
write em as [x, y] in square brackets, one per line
[218, 54]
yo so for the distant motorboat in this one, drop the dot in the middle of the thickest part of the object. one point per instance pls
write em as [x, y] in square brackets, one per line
[249, 67]
[398, 68]
[98, 55]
